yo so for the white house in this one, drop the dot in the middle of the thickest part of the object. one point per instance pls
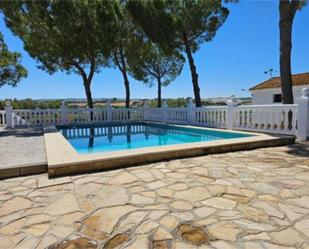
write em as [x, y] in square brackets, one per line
[269, 91]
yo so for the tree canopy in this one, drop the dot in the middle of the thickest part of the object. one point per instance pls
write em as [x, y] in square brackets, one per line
[126, 41]
[180, 24]
[11, 71]
[69, 36]
[155, 67]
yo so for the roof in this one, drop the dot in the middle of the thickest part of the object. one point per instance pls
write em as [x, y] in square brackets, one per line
[274, 82]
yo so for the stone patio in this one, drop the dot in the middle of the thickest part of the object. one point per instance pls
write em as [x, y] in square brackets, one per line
[251, 199]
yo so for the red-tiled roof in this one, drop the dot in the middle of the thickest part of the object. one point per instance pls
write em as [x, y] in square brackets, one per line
[298, 80]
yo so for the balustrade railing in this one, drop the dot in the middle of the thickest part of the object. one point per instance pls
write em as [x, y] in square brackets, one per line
[36, 117]
[67, 116]
[282, 119]
[177, 115]
[267, 118]
[212, 116]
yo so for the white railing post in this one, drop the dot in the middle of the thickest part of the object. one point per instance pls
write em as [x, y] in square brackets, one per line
[190, 111]
[109, 111]
[303, 109]
[9, 114]
[64, 113]
[164, 111]
[231, 107]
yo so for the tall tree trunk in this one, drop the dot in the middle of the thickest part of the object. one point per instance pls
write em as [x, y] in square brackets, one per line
[194, 75]
[159, 101]
[89, 97]
[125, 77]
[87, 83]
[127, 87]
[285, 24]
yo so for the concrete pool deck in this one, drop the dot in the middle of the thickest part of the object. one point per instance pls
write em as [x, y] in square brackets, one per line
[257, 199]
[22, 152]
[63, 159]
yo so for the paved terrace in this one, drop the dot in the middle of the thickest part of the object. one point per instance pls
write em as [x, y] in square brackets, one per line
[22, 151]
[251, 199]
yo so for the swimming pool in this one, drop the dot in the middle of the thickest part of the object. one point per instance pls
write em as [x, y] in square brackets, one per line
[117, 137]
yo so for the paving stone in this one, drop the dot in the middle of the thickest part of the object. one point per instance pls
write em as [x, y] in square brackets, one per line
[122, 178]
[303, 227]
[76, 244]
[44, 182]
[169, 221]
[222, 244]
[204, 211]
[302, 201]
[293, 212]
[155, 185]
[221, 203]
[252, 245]
[15, 204]
[140, 200]
[37, 229]
[181, 205]
[65, 204]
[194, 235]
[131, 220]
[13, 227]
[146, 227]
[141, 241]
[116, 241]
[287, 237]
[270, 210]
[111, 196]
[91, 233]
[27, 243]
[105, 219]
[193, 194]
[224, 231]
[162, 234]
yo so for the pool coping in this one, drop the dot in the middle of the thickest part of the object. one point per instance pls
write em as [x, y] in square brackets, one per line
[63, 159]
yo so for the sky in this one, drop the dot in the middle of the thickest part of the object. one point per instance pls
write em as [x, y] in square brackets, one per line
[244, 48]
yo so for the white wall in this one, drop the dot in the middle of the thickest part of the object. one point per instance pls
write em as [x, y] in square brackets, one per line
[265, 96]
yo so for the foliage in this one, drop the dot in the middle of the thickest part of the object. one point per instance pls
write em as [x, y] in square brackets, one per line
[11, 71]
[69, 36]
[155, 67]
[179, 102]
[154, 64]
[32, 104]
[125, 43]
[180, 24]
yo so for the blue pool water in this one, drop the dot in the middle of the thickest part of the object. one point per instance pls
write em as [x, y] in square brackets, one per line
[91, 139]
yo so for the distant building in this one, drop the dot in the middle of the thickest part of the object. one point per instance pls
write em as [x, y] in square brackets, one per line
[269, 91]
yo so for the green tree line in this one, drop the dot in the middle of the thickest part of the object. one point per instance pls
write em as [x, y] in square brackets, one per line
[31, 104]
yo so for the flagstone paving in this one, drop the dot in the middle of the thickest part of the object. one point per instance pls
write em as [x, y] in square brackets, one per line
[251, 199]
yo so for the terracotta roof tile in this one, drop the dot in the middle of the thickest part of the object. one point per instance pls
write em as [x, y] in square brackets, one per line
[298, 80]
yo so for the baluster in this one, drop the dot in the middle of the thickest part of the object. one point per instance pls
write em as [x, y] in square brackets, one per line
[286, 120]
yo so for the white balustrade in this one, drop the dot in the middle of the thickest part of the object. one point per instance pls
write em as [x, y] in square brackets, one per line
[177, 115]
[281, 119]
[210, 116]
[266, 118]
